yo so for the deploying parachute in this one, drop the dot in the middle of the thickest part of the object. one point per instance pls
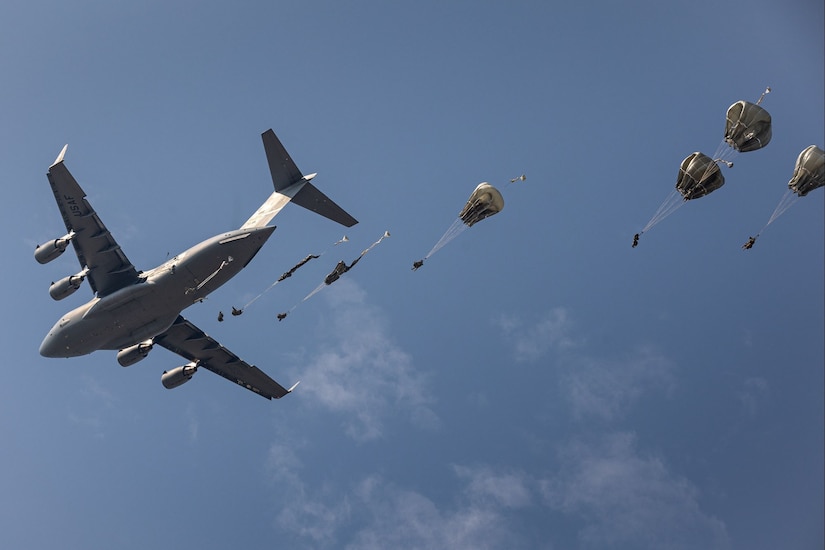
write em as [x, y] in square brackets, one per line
[808, 174]
[747, 128]
[484, 201]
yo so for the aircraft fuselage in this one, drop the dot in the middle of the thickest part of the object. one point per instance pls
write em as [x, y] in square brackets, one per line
[148, 308]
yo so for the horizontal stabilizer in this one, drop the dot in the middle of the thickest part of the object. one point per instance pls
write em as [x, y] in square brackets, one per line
[311, 198]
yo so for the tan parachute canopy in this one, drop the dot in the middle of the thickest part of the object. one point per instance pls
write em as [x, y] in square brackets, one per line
[747, 126]
[809, 172]
[484, 202]
[699, 175]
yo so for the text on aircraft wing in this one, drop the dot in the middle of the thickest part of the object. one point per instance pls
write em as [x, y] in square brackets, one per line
[193, 344]
[109, 268]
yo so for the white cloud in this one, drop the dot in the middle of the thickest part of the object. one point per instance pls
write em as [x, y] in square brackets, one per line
[192, 422]
[606, 389]
[629, 500]
[398, 518]
[595, 387]
[508, 490]
[361, 374]
[755, 391]
[550, 333]
[373, 513]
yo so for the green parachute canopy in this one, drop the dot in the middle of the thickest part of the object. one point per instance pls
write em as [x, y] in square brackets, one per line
[809, 172]
[747, 126]
[698, 175]
[484, 202]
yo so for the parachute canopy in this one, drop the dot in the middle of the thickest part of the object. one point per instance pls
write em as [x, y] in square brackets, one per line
[483, 203]
[699, 175]
[809, 172]
[747, 126]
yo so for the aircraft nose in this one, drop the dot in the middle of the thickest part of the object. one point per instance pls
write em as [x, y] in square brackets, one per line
[53, 345]
[48, 347]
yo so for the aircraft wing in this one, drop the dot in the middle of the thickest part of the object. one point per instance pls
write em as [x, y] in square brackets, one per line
[193, 344]
[109, 268]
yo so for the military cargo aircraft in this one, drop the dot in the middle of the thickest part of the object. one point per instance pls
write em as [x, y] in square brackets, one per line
[132, 311]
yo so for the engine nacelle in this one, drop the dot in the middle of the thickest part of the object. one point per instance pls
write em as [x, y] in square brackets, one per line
[67, 286]
[50, 250]
[131, 355]
[179, 375]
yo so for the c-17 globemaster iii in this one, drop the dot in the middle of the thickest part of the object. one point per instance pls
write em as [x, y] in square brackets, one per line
[134, 310]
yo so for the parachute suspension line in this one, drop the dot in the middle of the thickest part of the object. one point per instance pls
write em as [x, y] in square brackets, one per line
[724, 154]
[788, 200]
[457, 228]
[672, 203]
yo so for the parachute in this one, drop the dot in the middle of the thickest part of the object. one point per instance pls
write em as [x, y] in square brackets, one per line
[747, 126]
[698, 176]
[808, 174]
[484, 201]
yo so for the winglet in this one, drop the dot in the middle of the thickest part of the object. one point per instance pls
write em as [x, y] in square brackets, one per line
[62, 154]
[295, 385]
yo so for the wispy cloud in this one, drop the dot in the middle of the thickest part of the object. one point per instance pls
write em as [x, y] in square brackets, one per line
[607, 388]
[596, 387]
[193, 423]
[552, 332]
[629, 499]
[497, 489]
[754, 393]
[609, 493]
[361, 373]
[97, 401]
[373, 513]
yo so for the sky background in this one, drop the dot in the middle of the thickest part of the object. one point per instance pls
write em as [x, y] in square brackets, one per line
[537, 384]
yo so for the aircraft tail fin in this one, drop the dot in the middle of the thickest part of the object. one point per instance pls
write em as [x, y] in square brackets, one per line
[291, 184]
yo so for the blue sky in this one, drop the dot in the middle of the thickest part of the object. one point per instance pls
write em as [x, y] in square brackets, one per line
[537, 384]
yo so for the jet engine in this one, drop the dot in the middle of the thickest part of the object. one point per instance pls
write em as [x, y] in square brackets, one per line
[67, 286]
[179, 375]
[50, 250]
[131, 355]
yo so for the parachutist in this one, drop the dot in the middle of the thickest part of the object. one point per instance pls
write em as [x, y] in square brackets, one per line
[220, 316]
[340, 268]
[417, 264]
[635, 240]
[236, 311]
[282, 316]
[749, 244]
